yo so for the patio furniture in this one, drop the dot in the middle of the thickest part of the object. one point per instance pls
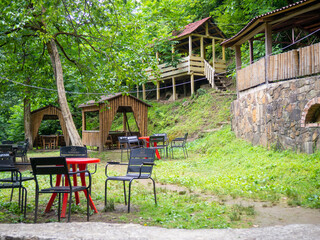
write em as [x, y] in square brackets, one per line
[158, 143]
[180, 143]
[56, 166]
[166, 141]
[7, 142]
[128, 143]
[21, 152]
[15, 180]
[139, 167]
[76, 152]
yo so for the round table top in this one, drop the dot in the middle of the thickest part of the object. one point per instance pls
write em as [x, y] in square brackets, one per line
[144, 137]
[82, 160]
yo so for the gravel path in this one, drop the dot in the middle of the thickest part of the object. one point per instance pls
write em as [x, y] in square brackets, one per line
[98, 230]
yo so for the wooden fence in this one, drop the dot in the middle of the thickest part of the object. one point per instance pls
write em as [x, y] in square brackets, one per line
[296, 63]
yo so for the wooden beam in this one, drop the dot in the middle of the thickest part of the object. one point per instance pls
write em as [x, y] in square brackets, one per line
[200, 35]
[124, 121]
[223, 53]
[157, 57]
[174, 88]
[158, 90]
[213, 52]
[192, 83]
[137, 91]
[268, 39]
[250, 41]
[238, 57]
[201, 48]
[144, 91]
[207, 29]
[190, 45]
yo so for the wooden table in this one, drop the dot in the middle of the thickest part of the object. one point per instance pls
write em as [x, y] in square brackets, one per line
[50, 140]
[147, 139]
[82, 164]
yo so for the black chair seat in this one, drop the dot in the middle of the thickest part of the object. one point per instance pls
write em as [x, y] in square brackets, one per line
[9, 179]
[63, 189]
[140, 166]
[10, 185]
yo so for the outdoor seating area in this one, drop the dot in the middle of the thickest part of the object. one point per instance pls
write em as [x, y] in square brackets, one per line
[16, 150]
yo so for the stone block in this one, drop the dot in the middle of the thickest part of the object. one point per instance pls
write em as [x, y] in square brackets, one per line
[308, 147]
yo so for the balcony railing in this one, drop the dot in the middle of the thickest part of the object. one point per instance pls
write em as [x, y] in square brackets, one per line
[296, 63]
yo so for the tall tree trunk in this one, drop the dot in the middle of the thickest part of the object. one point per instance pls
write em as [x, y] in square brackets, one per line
[27, 120]
[67, 116]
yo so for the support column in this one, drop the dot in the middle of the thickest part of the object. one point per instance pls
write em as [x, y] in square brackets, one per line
[124, 122]
[184, 90]
[268, 46]
[158, 90]
[137, 91]
[238, 57]
[144, 91]
[190, 46]
[192, 83]
[201, 48]
[250, 41]
[223, 53]
[213, 52]
[174, 88]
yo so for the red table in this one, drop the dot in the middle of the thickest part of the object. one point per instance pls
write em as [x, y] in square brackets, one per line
[82, 164]
[147, 139]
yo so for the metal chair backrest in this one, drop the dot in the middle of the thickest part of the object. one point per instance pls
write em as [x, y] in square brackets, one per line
[73, 152]
[6, 162]
[133, 141]
[7, 142]
[6, 148]
[49, 166]
[159, 140]
[123, 140]
[138, 156]
[161, 134]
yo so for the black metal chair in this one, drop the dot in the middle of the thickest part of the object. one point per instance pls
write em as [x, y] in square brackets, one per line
[7, 142]
[166, 141]
[139, 167]
[15, 180]
[180, 143]
[21, 152]
[75, 152]
[158, 142]
[53, 166]
[128, 143]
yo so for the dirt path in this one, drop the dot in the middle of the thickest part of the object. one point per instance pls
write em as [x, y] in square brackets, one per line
[267, 214]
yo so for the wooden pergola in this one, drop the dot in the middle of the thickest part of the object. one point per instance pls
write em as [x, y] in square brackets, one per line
[107, 108]
[47, 113]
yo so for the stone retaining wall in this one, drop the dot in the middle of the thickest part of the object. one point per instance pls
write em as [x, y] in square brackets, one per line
[274, 115]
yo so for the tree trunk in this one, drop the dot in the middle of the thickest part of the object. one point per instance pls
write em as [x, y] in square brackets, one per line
[67, 116]
[27, 120]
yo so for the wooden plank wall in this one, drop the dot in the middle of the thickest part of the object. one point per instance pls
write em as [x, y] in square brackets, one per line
[251, 76]
[36, 119]
[106, 116]
[309, 60]
[283, 66]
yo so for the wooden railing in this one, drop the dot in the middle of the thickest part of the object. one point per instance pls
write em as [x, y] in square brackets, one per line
[209, 73]
[91, 138]
[296, 63]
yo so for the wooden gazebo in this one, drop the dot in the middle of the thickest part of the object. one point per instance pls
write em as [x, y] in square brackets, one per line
[107, 108]
[47, 113]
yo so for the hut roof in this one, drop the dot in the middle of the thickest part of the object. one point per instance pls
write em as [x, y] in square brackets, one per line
[110, 97]
[195, 27]
[303, 14]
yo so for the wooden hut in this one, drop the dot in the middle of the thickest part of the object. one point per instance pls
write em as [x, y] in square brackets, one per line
[192, 42]
[107, 108]
[47, 113]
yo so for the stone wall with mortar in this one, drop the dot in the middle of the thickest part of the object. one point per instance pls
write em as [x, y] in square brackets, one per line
[274, 114]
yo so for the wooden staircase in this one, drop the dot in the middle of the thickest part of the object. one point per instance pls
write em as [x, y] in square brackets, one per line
[216, 81]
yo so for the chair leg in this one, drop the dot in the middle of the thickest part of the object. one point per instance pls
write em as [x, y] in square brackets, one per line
[11, 194]
[36, 207]
[59, 207]
[186, 151]
[129, 195]
[154, 191]
[105, 193]
[124, 192]
[70, 199]
[25, 203]
[88, 213]
[184, 154]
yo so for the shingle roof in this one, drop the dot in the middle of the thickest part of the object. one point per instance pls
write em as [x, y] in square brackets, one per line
[191, 27]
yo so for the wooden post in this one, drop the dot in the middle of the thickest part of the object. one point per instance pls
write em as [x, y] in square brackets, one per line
[144, 91]
[223, 53]
[158, 90]
[207, 29]
[174, 88]
[190, 46]
[157, 57]
[201, 48]
[238, 57]
[250, 41]
[124, 121]
[172, 51]
[192, 83]
[268, 46]
[213, 52]
[137, 91]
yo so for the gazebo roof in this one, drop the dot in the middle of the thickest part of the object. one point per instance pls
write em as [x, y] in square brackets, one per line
[303, 14]
[198, 27]
[110, 97]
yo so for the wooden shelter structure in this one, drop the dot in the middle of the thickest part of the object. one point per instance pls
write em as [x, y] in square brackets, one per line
[296, 20]
[193, 41]
[107, 108]
[47, 113]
